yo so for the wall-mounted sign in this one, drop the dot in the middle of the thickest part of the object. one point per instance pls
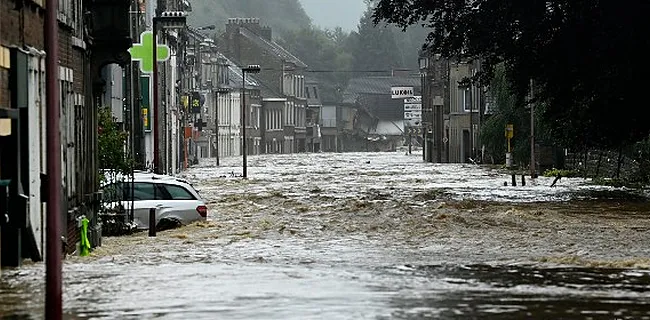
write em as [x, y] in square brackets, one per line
[413, 111]
[143, 52]
[401, 92]
[196, 102]
[145, 118]
[144, 102]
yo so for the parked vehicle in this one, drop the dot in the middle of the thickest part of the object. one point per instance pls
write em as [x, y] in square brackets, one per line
[175, 200]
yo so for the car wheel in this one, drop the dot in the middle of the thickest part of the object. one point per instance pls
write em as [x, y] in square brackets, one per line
[167, 224]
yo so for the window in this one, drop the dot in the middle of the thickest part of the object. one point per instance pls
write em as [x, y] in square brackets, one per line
[307, 91]
[178, 192]
[465, 99]
[145, 191]
[315, 93]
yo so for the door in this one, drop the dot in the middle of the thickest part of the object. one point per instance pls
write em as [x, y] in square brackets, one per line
[467, 147]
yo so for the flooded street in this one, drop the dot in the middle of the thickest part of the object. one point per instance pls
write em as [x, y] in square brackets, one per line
[367, 236]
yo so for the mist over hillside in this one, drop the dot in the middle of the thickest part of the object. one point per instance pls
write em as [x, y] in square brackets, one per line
[281, 15]
[361, 50]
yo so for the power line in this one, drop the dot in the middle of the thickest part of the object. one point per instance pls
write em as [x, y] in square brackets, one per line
[345, 71]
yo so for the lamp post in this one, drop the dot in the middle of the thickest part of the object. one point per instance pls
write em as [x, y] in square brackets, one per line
[533, 172]
[252, 68]
[168, 20]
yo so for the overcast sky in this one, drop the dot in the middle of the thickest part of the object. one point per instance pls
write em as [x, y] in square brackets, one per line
[335, 13]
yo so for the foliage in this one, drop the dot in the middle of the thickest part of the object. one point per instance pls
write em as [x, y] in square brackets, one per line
[641, 155]
[374, 47]
[322, 50]
[111, 143]
[505, 110]
[582, 55]
[281, 15]
[563, 173]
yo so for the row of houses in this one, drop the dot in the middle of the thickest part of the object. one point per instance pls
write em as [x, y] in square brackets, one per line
[281, 103]
[92, 34]
[284, 113]
[204, 89]
[453, 109]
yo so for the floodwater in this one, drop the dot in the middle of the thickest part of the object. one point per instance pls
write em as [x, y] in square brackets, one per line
[367, 236]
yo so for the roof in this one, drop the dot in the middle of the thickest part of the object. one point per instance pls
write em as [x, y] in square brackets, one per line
[388, 128]
[235, 73]
[235, 76]
[376, 85]
[272, 46]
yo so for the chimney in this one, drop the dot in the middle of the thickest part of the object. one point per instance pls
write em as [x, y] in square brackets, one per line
[267, 33]
[252, 24]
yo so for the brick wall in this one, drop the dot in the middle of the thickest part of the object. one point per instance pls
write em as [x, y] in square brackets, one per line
[18, 28]
[71, 56]
[21, 27]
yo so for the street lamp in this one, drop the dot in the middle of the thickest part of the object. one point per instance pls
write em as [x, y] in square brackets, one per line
[252, 68]
[167, 20]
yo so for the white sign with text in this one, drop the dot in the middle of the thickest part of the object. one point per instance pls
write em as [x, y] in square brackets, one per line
[401, 92]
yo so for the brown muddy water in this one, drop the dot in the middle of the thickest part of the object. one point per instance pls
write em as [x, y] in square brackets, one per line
[367, 236]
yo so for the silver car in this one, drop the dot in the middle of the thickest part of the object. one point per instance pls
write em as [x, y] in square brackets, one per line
[175, 200]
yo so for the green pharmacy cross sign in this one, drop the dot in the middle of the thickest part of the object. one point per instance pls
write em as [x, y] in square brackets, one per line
[143, 52]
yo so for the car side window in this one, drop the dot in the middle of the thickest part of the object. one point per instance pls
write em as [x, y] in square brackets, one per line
[179, 193]
[146, 191]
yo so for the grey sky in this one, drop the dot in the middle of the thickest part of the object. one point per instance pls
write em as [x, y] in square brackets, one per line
[335, 13]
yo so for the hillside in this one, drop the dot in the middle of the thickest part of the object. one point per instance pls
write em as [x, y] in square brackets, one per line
[281, 15]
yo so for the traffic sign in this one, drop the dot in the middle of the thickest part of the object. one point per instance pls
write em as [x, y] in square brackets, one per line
[510, 131]
[414, 130]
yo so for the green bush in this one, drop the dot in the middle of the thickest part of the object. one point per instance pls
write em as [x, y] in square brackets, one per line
[559, 172]
[112, 145]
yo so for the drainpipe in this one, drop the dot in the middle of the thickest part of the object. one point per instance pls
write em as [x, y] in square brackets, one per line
[53, 304]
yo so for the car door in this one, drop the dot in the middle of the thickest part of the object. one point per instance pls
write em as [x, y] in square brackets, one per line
[184, 207]
[145, 196]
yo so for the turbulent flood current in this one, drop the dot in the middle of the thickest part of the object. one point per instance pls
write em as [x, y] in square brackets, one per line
[367, 236]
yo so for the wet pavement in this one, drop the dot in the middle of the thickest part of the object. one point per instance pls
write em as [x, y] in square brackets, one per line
[367, 236]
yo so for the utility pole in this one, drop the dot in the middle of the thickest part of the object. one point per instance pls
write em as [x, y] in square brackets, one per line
[533, 173]
[53, 286]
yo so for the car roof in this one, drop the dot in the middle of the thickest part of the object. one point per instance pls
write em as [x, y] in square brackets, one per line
[158, 178]
[141, 176]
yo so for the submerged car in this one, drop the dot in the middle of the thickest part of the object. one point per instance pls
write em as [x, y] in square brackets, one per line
[175, 200]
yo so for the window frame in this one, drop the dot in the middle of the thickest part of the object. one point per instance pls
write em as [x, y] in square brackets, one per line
[166, 186]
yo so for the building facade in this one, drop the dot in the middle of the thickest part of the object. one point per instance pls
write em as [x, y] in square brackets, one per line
[23, 114]
[282, 76]
[312, 116]
[452, 109]
[370, 119]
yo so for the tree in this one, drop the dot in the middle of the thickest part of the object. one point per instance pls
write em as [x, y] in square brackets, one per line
[504, 110]
[111, 143]
[583, 56]
[324, 52]
[374, 47]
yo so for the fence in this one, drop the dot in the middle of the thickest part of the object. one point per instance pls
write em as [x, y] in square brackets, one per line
[601, 164]
[116, 209]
